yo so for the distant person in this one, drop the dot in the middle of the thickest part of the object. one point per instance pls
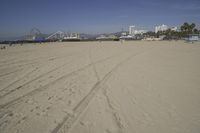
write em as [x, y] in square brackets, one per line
[3, 47]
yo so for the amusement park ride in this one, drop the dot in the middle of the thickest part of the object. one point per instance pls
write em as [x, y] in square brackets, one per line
[36, 36]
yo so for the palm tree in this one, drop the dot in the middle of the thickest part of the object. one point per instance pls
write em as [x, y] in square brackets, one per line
[193, 25]
[196, 31]
[185, 27]
[188, 29]
[191, 28]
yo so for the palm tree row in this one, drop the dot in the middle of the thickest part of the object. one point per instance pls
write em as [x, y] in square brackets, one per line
[185, 30]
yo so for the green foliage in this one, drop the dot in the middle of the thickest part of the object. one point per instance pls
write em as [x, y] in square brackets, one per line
[185, 30]
[150, 34]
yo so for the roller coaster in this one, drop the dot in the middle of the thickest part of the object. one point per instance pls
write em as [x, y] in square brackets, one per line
[59, 35]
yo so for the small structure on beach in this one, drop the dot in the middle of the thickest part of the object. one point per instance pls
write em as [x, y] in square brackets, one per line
[107, 38]
[193, 37]
[160, 38]
[71, 37]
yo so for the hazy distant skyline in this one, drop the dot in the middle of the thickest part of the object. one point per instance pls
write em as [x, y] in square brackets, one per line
[18, 17]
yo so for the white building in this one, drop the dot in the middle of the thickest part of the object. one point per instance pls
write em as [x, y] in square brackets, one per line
[174, 28]
[140, 32]
[132, 30]
[161, 28]
[123, 34]
[101, 37]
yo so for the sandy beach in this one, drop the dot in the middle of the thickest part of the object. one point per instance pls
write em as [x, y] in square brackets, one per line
[100, 87]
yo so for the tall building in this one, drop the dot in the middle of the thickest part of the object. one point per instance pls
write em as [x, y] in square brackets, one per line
[132, 30]
[161, 28]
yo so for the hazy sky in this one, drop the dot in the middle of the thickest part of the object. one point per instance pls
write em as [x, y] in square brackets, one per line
[18, 17]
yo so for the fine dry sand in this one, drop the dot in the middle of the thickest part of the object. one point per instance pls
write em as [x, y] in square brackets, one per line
[107, 87]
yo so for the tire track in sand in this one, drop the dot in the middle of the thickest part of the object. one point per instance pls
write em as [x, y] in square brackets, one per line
[70, 119]
[8, 73]
[51, 58]
[14, 82]
[35, 91]
[36, 78]
[33, 60]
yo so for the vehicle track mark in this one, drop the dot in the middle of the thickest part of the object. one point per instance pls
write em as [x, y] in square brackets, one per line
[21, 86]
[10, 73]
[69, 120]
[93, 65]
[9, 92]
[17, 100]
[17, 80]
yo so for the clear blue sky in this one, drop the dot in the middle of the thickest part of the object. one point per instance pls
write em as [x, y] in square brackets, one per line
[93, 16]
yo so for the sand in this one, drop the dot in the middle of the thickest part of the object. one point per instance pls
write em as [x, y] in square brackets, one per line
[107, 87]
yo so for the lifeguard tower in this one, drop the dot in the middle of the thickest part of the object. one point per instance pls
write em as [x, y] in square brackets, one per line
[193, 38]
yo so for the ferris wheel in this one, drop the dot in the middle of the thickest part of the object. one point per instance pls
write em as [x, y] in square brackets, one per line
[35, 32]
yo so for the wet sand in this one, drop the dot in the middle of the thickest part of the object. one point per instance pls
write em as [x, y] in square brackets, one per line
[107, 87]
